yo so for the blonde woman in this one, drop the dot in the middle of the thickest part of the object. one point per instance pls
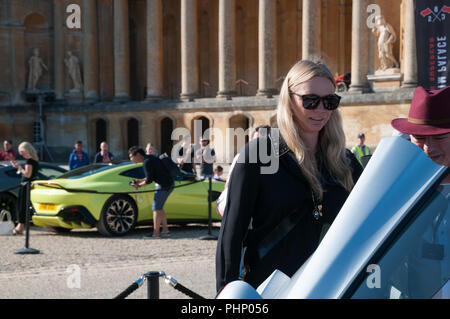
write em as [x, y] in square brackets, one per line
[290, 209]
[29, 173]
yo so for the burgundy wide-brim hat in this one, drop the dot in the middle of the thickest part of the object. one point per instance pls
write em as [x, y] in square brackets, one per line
[429, 113]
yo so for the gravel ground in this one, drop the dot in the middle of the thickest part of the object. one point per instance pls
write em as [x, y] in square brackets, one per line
[106, 266]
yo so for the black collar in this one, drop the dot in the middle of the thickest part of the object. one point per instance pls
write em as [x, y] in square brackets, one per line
[278, 144]
[287, 157]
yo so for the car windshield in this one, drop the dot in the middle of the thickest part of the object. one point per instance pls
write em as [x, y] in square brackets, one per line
[417, 265]
[50, 172]
[91, 169]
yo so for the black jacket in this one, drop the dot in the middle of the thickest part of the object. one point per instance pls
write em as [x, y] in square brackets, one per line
[155, 171]
[267, 199]
[99, 157]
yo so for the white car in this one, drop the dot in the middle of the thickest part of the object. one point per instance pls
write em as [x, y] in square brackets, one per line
[391, 238]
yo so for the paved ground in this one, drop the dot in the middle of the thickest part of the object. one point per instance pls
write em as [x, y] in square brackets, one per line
[106, 266]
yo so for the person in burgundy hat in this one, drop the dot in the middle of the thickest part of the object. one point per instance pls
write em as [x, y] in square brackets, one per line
[428, 123]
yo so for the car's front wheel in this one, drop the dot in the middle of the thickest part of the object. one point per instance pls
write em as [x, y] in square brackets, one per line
[8, 202]
[118, 217]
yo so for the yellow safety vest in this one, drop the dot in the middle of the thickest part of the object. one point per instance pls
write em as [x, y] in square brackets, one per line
[360, 152]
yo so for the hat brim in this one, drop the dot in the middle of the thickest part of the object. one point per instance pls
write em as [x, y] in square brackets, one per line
[402, 125]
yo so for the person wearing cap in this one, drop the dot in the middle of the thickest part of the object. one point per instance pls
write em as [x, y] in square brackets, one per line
[428, 123]
[361, 150]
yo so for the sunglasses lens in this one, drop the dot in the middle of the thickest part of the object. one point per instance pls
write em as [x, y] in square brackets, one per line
[310, 102]
[331, 102]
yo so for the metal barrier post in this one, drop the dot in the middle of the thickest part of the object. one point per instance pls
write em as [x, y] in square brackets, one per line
[210, 236]
[27, 249]
[153, 284]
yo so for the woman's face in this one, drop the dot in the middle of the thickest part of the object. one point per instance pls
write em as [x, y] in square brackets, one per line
[149, 149]
[24, 154]
[312, 121]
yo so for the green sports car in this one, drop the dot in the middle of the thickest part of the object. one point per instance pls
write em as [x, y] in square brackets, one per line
[100, 196]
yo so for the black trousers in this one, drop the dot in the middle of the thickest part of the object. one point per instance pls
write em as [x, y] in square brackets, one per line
[22, 205]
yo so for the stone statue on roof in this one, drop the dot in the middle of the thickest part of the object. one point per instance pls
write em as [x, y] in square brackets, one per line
[386, 39]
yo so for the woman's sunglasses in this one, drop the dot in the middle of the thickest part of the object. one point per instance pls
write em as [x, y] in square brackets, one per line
[311, 101]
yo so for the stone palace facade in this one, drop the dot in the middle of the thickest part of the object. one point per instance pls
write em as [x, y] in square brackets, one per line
[137, 69]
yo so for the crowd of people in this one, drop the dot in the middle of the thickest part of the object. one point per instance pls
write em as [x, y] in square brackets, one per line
[155, 171]
[315, 176]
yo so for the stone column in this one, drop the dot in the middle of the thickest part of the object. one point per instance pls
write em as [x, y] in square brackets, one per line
[311, 29]
[154, 50]
[360, 45]
[121, 51]
[189, 50]
[409, 47]
[227, 52]
[266, 48]
[90, 50]
[58, 11]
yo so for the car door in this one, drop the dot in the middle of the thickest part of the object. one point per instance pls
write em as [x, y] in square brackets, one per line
[142, 198]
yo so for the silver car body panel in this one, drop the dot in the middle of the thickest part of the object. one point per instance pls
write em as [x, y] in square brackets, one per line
[397, 176]
[395, 179]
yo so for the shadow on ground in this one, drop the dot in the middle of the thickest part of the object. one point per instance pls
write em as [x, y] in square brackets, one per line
[189, 231]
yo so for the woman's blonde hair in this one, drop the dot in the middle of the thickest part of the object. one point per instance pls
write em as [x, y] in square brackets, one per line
[331, 142]
[27, 147]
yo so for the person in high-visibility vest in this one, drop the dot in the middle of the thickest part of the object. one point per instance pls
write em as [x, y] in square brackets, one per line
[361, 150]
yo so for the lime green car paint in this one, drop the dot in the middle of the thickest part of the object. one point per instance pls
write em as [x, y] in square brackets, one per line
[185, 204]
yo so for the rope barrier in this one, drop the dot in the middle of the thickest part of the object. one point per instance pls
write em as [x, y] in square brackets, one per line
[168, 280]
[176, 285]
[132, 288]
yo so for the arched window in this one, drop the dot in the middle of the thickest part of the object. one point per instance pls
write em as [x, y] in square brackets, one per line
[199, 125]
[100, 132]
[166, 135]
[34, 20]
[132, 133]
[240, 123]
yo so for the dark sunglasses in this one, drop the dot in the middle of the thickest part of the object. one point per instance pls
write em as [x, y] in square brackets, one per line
[311, 101]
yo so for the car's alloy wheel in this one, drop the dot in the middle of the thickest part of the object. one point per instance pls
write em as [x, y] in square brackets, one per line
[118, 216]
